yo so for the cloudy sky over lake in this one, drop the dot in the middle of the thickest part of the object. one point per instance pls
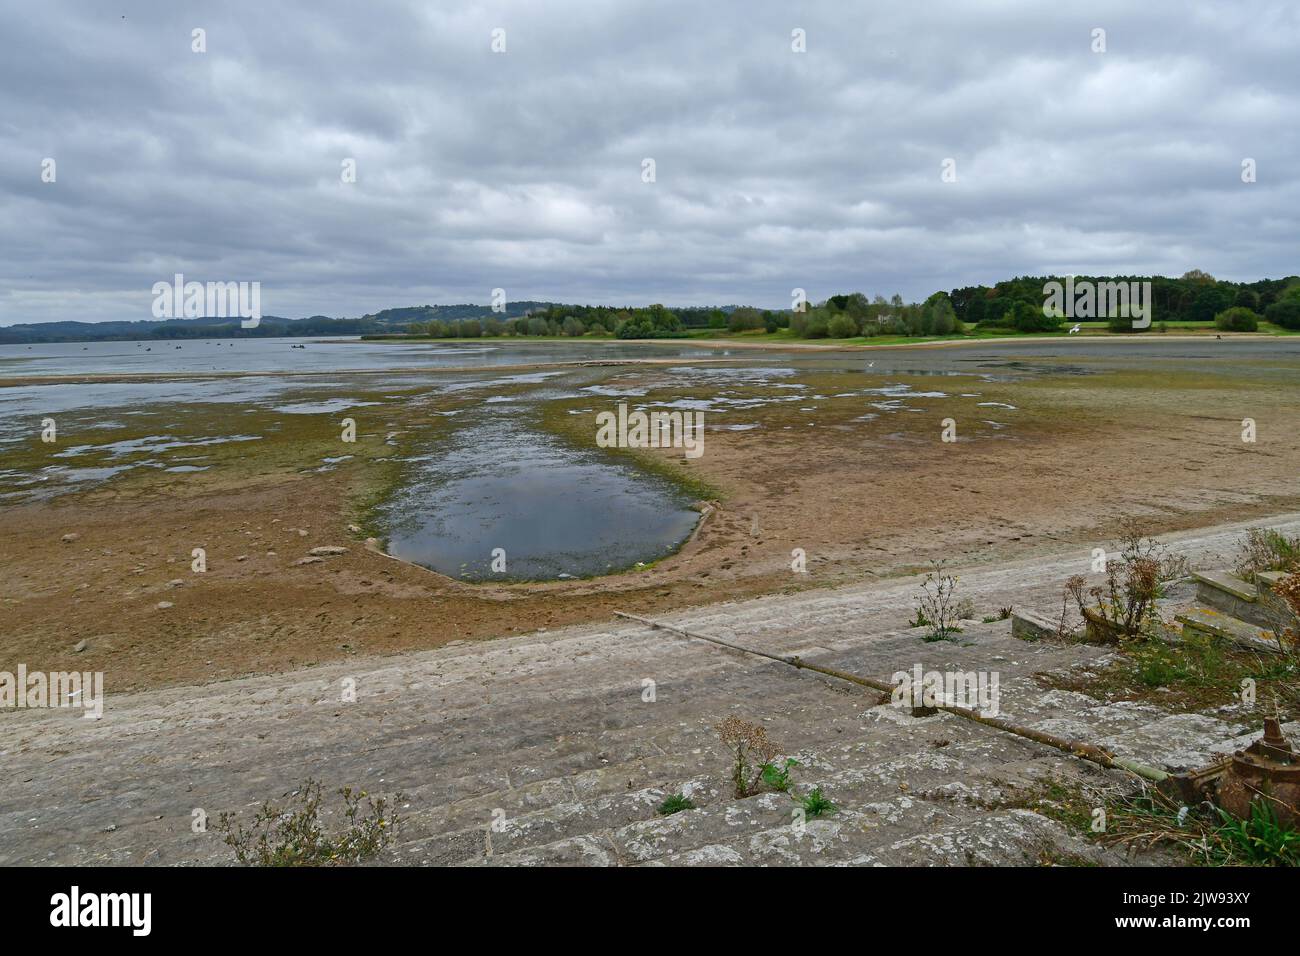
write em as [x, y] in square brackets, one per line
[523, 169]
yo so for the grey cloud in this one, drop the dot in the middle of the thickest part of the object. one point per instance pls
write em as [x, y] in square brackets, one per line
[774, 169]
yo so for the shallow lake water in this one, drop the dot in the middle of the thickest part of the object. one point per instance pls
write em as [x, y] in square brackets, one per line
[554, 511]
[223, 356]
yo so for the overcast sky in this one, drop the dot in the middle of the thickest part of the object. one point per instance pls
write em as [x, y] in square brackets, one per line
[523, 170]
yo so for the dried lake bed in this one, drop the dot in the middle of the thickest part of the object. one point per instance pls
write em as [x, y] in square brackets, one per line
[463, 449]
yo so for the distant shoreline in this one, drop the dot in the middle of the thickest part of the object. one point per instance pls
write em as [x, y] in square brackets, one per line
[8, 381]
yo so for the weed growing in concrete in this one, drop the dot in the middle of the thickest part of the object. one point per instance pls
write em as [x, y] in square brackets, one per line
[1199, 673]
[1004, 614]
[751, 749]
[816, 803]
[1123, 608]
[938, 608]
[1263, 549]
[1197, 661]
[778, 777]
[294, 837]
[675, 804]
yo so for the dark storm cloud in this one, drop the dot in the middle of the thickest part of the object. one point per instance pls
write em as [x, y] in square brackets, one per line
[522, 170]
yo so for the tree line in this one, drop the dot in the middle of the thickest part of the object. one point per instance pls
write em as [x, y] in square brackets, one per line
[1196, 296]
[1014, 305]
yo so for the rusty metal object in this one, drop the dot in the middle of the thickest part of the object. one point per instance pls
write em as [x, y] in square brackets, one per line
[1268, 770]
[1194, 787]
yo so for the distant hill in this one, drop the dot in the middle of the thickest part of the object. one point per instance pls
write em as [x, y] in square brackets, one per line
[427, 313]
[271, 326]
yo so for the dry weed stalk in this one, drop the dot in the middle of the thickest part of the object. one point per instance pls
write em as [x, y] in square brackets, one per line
[751, 749]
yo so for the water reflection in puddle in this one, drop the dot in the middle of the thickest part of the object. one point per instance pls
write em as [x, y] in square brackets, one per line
[555, 511]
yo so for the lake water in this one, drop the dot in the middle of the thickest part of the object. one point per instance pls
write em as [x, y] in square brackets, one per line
[197, 356]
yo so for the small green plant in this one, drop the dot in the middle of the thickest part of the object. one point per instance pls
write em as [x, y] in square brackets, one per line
[1261, 840]
[816, 803]
[778, 777]
[295, 837]
[675, 804]
[750, 749]
[1004, 614]
[1198, 660]
[1155, 667]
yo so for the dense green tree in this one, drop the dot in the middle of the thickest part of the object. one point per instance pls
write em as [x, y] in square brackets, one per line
[1247, 299]
[745, 320]
[841, 326]
[1209, 302]
[1024, 317]
[1284, 312]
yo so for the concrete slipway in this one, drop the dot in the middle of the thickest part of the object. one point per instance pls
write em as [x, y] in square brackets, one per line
[549, 735]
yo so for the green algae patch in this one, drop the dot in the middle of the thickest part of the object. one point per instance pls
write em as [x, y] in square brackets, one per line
[188, 449]
[579, 430]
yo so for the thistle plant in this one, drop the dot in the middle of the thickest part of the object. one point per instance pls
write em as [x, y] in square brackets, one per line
[288, 836]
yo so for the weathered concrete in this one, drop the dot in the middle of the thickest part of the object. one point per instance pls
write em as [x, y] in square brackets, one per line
[1229, 628]
[551, 735]
[1030, 625]
[1212, 584]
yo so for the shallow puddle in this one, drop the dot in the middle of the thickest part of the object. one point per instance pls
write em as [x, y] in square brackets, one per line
[554, 511]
